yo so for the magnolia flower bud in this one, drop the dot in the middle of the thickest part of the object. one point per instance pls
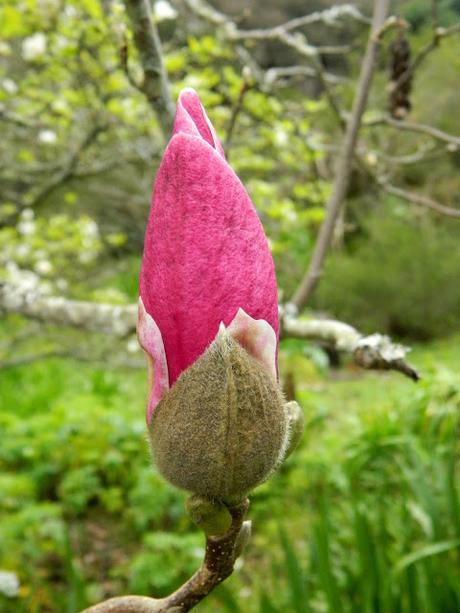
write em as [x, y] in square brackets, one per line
[221, 429]
[217, 420]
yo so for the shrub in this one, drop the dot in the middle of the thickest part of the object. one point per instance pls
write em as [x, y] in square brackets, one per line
[402, 278]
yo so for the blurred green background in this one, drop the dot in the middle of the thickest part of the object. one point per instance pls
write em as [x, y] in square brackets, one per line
[365, 516]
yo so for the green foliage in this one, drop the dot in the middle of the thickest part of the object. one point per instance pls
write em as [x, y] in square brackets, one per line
[419, 13]
[166, 559]
[365, 516]
[386, 531]
[366, 510]
[401, 279]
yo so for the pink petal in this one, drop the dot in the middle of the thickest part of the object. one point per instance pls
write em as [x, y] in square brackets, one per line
[205, 252]
[191, 119]
[150, 339]
[257, 337]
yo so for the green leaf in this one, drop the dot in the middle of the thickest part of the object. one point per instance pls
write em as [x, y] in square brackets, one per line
[425, 552]
[297, 584]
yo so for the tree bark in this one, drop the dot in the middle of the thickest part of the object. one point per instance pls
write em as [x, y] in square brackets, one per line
[342, 180]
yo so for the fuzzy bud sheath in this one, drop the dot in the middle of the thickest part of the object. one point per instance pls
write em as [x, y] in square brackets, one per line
[220, 429]
[208, 322]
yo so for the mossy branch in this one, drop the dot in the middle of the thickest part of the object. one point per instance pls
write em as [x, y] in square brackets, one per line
[155, 85]
[120, 321]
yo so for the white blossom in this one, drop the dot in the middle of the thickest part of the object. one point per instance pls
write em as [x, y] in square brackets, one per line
[86, 256]
[371, 158]
[5, 48]
[9, 86]
[119, 28]
[62, 42]
[26, 280]
[26, 228]
[245, 592]
[132, 346]
[290, 215]
[48, 137]
[62, 284]
[48, 6]
[9, 584]
[60, 106]
[34, 46]
[281, 137]
[22, 250]
[27, 214]
[43, 267]
[164, 10]
[12, 268]
[70, 10]
[90, 229]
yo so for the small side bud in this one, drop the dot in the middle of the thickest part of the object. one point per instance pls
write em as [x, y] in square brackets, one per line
[243, 538]
[211, 516]
[296, 426]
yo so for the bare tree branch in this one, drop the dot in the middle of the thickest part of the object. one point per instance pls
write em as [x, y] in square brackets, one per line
[219, 560]
[282, 33]
[104, 318]
[420, 200]
[423, 154]
[237, 107]
[375, 352]
[329, 17]
[121, 320]
[66, 171]
[415, 127]
[18, 120]
[340, 187]
[156, 84]
[285, 72]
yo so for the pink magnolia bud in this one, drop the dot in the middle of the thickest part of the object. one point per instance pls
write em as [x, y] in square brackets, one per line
[206, 263]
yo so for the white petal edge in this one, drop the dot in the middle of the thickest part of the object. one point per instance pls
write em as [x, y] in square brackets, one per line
[151, 341]
[257, 337]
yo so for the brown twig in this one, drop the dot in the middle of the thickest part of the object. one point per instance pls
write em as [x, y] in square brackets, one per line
[124, 61]
[283, 33]
[340, 187]
[423, 154]
[237, 107]
[420, 200]
[219, 560]
[415, 127]
[330, 17]
[285, 72]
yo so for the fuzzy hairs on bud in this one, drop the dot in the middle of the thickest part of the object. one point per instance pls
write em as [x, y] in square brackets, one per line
[222, 427]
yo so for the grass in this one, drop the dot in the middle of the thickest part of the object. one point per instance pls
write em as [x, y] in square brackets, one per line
[364, 517]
